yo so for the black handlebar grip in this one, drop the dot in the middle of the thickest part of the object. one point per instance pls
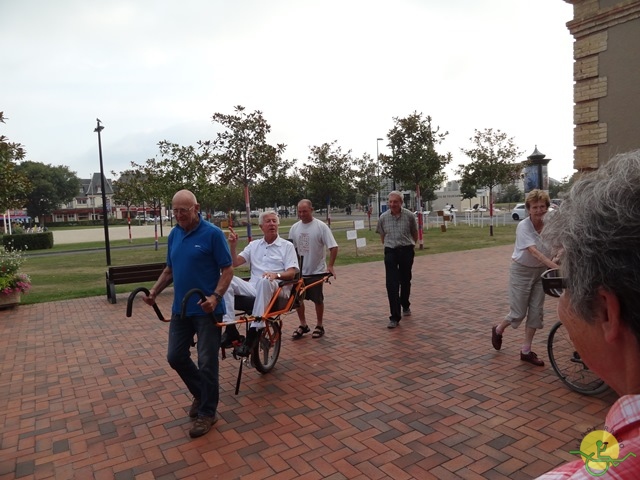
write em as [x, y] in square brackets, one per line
[133, 294]
[187, 296]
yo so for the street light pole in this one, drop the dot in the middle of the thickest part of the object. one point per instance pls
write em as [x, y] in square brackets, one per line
[99, 129]
[378, 170]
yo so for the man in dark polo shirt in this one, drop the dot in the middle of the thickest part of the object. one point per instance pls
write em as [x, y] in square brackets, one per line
[398, 231]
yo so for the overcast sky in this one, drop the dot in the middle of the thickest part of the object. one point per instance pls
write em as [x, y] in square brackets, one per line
[319, 70]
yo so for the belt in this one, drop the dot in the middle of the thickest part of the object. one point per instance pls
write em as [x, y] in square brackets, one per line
[400, 247]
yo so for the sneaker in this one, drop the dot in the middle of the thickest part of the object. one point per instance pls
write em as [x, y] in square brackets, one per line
[245, 349]
[496, 338]
[406, 312]
[532, 358]
[202, 426]
[193, 411]
[229, 336]
[393, 323]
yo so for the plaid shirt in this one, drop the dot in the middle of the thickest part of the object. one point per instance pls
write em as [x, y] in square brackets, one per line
[623, 421]
[398, 230]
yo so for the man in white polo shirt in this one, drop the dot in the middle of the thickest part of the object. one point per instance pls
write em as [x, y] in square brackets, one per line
[270, 258]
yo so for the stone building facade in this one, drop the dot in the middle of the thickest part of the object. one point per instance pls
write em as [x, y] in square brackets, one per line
[607, 79]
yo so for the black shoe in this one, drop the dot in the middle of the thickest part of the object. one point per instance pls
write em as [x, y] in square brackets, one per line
[496, 338]
[249, 343]
[229, 336]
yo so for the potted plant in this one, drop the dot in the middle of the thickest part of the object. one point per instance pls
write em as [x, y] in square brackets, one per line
[12, 283]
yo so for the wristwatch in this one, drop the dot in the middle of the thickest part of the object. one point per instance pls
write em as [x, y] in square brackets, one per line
[278, 275]
[217, 295]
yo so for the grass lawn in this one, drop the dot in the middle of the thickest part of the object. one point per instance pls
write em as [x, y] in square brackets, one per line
[78, 270]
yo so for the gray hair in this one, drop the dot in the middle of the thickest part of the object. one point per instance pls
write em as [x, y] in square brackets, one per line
[269, 212]
[306, 201]
[396, 193]
[597, 232]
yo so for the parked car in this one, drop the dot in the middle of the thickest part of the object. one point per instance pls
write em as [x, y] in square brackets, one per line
[519, 212]
[255, 214]
[219, 215]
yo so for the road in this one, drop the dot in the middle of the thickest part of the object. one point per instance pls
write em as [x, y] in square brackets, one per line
[61, 237]
[338, 222]
[121, 232]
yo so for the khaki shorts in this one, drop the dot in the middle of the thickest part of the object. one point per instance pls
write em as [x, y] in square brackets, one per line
[526, 297]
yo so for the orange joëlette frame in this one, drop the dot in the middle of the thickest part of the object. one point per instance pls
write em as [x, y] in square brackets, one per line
[271, 314]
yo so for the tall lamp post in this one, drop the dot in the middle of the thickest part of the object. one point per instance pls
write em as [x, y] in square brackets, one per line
[378, 170]
[99, 129]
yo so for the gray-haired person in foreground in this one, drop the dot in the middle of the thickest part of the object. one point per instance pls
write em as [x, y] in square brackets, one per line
[596, 232]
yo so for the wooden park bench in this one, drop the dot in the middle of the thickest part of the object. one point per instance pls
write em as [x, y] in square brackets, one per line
[145, 272]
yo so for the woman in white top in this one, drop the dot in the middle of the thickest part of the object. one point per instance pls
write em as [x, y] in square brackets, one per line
[529, 261]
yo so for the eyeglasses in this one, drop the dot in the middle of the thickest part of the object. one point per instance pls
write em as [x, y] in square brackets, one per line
[181, 211]
[552, 283]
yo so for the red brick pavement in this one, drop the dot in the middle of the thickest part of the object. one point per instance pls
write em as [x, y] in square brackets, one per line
[86, 392]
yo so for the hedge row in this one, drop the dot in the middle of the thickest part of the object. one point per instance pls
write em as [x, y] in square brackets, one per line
[28, 241]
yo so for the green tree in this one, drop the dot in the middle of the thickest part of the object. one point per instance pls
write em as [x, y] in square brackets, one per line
[428, 195]
[510, 194]
[225, 198]
[14, 186]
[175, 168]
[560, 189]
[415, 163]
[328, 175]
[282, 186]
[241, 153]
[52, 186]
[128, 188]
[493, 162]
[367, 178]
[468, 189]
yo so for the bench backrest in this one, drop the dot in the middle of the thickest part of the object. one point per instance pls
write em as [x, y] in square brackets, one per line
[134, 273]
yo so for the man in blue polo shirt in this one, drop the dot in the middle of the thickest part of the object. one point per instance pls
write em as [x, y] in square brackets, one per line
[197, 257]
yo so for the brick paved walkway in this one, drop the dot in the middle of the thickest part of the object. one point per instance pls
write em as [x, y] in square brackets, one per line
[86, 392]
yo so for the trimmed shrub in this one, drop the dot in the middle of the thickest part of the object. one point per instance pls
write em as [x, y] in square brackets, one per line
[28, 241]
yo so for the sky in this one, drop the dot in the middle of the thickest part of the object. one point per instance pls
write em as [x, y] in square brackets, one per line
[319, 71]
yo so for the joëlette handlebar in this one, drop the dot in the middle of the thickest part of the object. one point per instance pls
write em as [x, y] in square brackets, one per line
[133, 294]
[322, 277]
[187, 296]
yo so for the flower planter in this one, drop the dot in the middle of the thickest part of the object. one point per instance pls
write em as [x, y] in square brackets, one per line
[13, 283]
[9, 301]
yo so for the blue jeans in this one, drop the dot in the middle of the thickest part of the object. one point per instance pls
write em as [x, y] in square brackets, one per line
[397, 264]
[202, 381]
